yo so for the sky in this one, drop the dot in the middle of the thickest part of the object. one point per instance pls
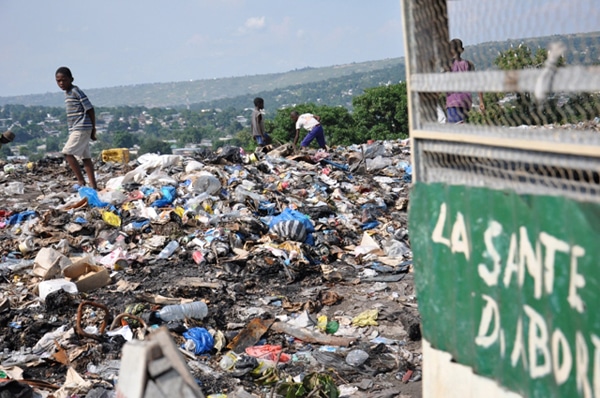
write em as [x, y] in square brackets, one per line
[124, 42]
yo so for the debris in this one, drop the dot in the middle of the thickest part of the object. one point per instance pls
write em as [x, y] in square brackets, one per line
[87, 276]
[286, 250]
[174, 312]
[198, 340]
[356, 357]
[250, 335]
[155, 368]
[310, 336]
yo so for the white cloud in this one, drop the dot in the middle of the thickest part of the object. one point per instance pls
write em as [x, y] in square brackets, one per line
[255, 23]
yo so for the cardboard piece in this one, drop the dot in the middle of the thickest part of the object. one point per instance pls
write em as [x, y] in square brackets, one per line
[86, 275]
[49, 262]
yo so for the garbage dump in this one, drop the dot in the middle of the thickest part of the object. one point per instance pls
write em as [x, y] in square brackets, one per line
[226, 274]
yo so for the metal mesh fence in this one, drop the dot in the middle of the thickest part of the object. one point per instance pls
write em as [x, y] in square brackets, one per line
[577, 177]
[530, 68]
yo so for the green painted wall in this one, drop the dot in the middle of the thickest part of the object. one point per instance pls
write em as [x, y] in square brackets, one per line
[510, 285]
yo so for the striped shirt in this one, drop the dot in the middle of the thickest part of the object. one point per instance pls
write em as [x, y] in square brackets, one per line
[77, 106]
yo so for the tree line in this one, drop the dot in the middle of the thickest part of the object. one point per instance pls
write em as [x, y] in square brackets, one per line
[377, 113]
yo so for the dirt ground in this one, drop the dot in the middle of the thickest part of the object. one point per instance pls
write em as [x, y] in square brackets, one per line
[236, 288]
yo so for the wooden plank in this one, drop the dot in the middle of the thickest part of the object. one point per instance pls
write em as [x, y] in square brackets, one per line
[569, 79]
[580, 149]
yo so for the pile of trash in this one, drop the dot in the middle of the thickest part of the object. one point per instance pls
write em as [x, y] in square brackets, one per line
[226, 274]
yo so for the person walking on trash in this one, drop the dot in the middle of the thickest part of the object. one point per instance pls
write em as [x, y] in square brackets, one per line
[458, 105]
[258, 123]
[6, 137]
[81, 120]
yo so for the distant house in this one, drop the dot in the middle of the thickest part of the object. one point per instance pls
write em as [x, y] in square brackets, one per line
[17, 159]
[242, 120]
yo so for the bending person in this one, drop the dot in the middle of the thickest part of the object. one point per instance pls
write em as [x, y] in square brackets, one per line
[312, 123]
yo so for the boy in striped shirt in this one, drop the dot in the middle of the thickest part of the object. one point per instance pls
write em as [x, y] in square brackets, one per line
[81, 120]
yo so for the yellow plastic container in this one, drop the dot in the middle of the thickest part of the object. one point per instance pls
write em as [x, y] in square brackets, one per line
[117, 155]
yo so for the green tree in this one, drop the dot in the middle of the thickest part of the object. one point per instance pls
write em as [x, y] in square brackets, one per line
[153, 128]
[123, 139]
[192, 135]
[5, 152]
[21, 135]
[381, 113]
[24, 151]
[245, 140]
[519, 108]
[32, 146]
[154, 145]
[52, 144]
[522, 58]
[117, 125]
[135, 125]
[338, 125]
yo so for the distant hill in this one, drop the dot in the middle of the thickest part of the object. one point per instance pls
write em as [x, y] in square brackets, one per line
[193, 92]
[333, 85]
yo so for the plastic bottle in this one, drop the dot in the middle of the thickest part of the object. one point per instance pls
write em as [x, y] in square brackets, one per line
[168, 250]
[195, 310]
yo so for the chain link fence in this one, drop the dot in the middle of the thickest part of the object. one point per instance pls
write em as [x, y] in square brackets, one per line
[506, 94]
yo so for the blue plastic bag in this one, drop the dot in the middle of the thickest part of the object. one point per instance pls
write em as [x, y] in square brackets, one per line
[18, 218]
[92, 197]
[370, 225]
[203, 341]
[168, 196]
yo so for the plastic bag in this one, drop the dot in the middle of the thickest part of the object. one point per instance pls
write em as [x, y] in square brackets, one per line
[111, 219]
[15, 188]
[113, 197]
[168, 196]
[198, 340]
[193, 166]
[92, 197]
[289, 215]
[153, 160]
[205, 183]
[18, 218]
[269, 352]
[366, 318]
[395, 248]
[378, 163]
[290, 230]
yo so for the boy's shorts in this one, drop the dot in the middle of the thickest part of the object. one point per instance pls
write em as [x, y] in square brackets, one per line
[456, 115]
[78, 144]
[261, 142]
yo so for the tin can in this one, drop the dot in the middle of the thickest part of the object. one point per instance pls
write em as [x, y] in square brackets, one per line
[26, 245]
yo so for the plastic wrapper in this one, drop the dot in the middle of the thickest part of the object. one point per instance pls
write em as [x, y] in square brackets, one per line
[202, 340]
